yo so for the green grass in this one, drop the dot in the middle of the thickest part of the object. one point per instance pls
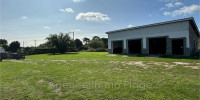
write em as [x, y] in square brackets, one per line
[90, 75]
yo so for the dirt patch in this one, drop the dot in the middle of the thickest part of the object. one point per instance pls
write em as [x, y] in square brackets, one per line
[41, 81]
[114, 62]
[165, 64]
[169, 66]
[120, 69]
[96, 62]
[59, 60]
[22, 61]
[125, 63]
[57, 90]
[17, 61]
[188, 65]
[181, 63]
[138, 63]
[111, 55]
[51, 85]
[67, 60]
[145, 66]
[193, 67]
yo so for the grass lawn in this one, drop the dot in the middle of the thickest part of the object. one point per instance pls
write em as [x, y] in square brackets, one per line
[90, 75]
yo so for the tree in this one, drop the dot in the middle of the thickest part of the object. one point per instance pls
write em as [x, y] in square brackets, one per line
[96, 38]
[78, 43]
[43, 46]
[86, 40]
[3, 41]
[14, 46]
[105, 41]
[61, 42]
[96, 44]
[4, 44]
[72, 46]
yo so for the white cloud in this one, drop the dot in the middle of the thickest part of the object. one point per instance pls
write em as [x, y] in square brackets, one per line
[70, 10]
[178, 3]
[169, 5]
[92, 16]
[162, 8]
[130, 26]
[24, 17]
[184, 10]
[166, 13]
[46, 27]
[78, 0]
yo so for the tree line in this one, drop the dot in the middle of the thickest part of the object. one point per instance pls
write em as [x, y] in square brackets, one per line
[62, 43]
[12, 47]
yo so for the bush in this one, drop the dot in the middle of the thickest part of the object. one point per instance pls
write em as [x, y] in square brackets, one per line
[83, 48]
[101, 50]
[96, 44]
[90, 50]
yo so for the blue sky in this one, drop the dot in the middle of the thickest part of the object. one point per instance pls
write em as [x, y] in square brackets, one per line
[29, 20]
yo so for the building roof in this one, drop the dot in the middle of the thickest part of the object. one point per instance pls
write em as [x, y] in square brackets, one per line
[190, 19]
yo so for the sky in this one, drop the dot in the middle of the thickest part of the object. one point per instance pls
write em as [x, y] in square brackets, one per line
[29, 20]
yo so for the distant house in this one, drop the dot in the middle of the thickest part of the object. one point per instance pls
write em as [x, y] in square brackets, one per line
[176, 37]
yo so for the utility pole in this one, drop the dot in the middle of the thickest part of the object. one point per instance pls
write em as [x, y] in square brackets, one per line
[73, 35]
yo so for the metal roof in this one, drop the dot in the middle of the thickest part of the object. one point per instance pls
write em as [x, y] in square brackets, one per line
[191, 19]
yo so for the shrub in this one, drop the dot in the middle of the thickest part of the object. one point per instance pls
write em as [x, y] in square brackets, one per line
[83, 48]
[96, 50]
[101, 50]
[96, 44]
[90, 50]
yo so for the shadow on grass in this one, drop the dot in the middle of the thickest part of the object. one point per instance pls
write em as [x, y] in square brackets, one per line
[163, 56]
[181, 57]
[64, 53]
